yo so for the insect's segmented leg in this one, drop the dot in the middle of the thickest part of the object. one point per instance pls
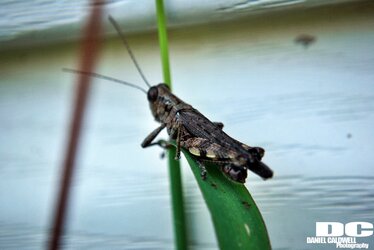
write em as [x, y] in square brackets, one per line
[148, 140]
[161, 143]
[178, 142]
[235, 173]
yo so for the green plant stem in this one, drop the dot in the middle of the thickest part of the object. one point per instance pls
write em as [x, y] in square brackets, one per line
[163, 40]
[174, 166]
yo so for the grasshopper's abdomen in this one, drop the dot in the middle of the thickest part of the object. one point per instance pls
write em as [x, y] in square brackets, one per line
[234, 162]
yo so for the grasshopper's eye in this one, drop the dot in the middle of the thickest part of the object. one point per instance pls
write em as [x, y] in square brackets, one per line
[152, 94]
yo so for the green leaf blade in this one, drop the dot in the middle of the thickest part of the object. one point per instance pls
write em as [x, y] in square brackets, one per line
[236, 218]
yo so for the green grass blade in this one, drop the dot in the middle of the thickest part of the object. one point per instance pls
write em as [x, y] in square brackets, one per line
[163, 40]
[177, 201]
[236, 218]
[174, 166]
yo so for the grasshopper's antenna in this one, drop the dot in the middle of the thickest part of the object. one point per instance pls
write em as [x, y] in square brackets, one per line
[105, 78]
[118, 29]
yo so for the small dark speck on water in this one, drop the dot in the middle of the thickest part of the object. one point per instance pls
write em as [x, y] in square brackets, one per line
[305, 40]
[349, 135]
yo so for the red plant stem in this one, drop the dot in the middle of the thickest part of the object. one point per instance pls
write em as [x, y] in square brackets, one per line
[90, 45]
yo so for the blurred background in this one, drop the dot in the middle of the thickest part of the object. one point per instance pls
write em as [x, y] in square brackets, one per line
[295, 77]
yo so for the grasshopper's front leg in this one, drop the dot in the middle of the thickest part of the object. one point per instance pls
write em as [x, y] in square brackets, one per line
[148, 140]
[206, 151]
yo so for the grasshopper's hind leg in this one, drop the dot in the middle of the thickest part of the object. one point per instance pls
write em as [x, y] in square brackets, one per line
[235, 173]
[200, 148]
[206, 151]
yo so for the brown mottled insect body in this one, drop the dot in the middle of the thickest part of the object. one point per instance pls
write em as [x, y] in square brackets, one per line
[201, 137]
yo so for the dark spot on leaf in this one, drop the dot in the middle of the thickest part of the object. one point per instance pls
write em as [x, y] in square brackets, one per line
[214, 185]
[246, 204]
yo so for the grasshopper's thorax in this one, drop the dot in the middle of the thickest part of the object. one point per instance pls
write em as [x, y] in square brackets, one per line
[162, 102]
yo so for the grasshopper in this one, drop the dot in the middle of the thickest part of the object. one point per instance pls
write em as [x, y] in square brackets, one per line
[191, 130]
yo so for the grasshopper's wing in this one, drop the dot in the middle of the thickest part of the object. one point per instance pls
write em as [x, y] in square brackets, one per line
[199, 126]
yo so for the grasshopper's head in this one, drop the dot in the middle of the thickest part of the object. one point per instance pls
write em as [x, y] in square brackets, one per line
[161, 100]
